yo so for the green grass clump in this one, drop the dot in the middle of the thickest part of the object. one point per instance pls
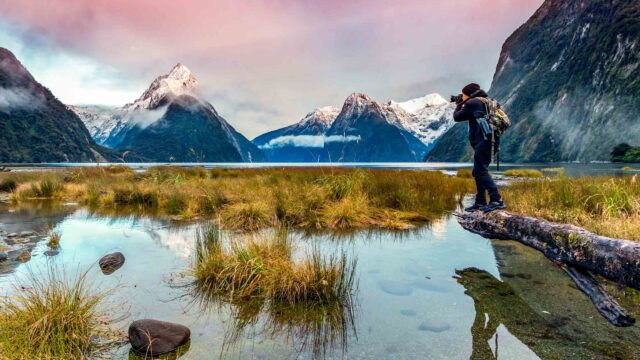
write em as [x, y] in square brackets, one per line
[524, 173]
[55, 318]
[606, 206]
[264, 269]
[46, 188]
[54, 239]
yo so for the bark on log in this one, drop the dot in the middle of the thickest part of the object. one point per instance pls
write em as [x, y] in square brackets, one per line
[607, 306]
[617, 260]
[581, 251]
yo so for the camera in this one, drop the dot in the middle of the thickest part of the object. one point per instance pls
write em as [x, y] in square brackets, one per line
[456, 99]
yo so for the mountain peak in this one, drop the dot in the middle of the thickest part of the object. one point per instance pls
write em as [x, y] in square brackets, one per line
[427, 101]
[179, 81]
[357, 103]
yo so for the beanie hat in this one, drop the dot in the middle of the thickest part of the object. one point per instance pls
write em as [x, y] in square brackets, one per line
[470, 89]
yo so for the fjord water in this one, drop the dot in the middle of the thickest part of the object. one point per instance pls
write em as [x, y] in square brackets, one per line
[415, 300]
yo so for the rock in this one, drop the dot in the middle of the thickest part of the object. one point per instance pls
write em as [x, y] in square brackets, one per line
[51, 252]
[153, 337]
[111, 262]
[395, 288]
[408, 312]
[24, 256]
[434, 326]
[3, 256]
[27, 233]
[12, 235]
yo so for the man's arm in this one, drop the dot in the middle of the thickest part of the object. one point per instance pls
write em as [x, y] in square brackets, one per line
[463, 112]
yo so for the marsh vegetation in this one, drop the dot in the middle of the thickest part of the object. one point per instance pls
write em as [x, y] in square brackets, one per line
[54, 316]
[252, 199]
[604, 205]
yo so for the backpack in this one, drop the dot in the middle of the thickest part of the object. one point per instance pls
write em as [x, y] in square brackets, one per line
[496, 116]
[498, 121]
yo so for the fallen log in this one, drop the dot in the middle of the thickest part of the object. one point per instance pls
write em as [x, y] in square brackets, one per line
[578, 251]
[606, 304]
[614, 259]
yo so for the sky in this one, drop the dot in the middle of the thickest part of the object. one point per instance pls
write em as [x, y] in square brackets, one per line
[263, 64]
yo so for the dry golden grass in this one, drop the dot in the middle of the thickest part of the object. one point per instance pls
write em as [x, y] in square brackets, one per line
[257, 198]
[524, 173]
[264, 269]
[603, 205]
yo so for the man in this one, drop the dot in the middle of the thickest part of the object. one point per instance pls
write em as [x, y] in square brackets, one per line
[471, 108]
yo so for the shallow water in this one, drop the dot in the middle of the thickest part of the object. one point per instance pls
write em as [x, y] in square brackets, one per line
[409, 304]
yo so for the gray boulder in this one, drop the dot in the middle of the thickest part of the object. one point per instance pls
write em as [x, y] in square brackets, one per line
[111, 262]
[153, 337]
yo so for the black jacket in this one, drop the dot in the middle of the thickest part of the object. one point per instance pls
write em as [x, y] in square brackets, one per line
[471, 110]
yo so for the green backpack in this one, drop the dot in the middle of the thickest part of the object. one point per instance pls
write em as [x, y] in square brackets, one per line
[498, 121]
[496, 116]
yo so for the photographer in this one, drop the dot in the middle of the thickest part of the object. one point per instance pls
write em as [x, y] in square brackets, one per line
[471, 108]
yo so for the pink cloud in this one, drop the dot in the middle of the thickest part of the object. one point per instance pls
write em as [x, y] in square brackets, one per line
[288, 56]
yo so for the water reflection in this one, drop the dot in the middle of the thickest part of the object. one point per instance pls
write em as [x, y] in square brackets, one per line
[537, 303]
[518, 306]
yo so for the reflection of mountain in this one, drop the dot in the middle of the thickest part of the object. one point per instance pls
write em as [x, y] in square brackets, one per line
[537, 303]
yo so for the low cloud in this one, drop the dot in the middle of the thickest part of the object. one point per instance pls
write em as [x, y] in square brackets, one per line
[306, 141]
[16, 98]
[144, 118]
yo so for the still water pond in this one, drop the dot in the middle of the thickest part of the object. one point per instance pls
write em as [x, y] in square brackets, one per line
[509, 303]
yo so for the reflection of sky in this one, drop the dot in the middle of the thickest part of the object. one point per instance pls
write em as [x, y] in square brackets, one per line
[405, 286]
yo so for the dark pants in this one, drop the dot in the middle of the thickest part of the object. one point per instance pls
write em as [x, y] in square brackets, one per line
[484, 181]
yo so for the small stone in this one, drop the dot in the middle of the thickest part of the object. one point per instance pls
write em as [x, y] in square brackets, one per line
[12, 235]
[111, 262]
[408, 312]
[395, 288]
[3, 256]
[51, 252]
[24, 256]
[153, 337]
[434, 326]
[26, 233]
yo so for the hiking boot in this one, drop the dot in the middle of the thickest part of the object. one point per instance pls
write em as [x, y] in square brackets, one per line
[474, 207]
[494, 205]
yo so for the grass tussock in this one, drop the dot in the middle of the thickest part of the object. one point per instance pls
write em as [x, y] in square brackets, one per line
[55, 317]
[8, 185]
[524, 173]
[257, 198]
[54, 239]
[264, 269]
[606, 206]
[465, 173]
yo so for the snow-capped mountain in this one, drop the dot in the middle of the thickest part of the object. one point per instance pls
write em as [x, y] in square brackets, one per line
[300, 142]
[363, 133]
[170, 122]
[179, 81]
[101, 121]
[109, 126]
[427, 117]
[421, 122]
